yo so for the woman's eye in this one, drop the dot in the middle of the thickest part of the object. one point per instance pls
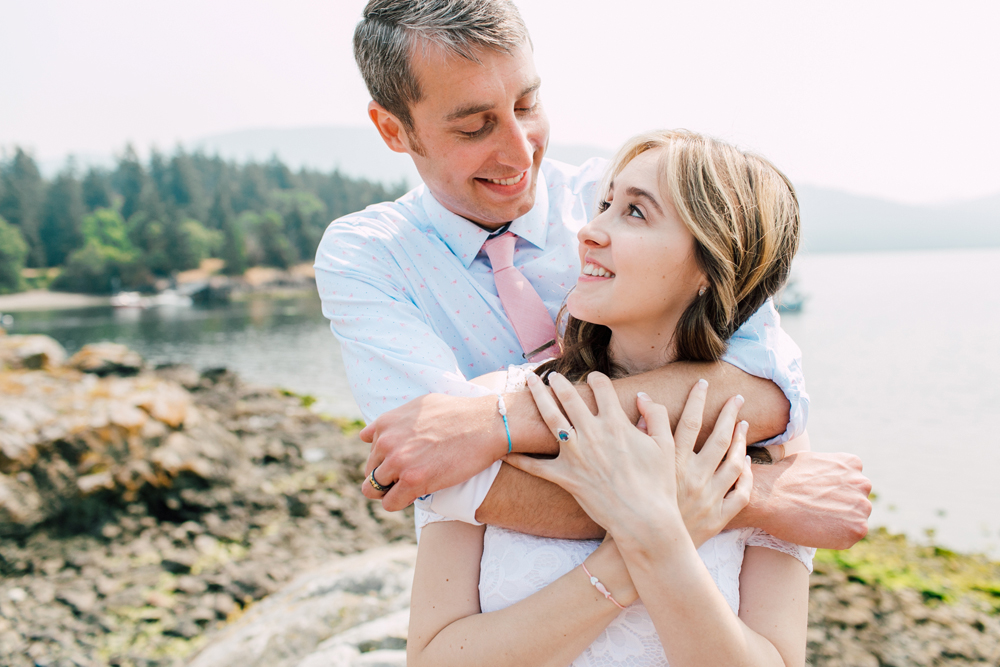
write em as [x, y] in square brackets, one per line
[634, 212]
[603, 206]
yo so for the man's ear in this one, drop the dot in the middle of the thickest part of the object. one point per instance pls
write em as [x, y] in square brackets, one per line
[392, 130]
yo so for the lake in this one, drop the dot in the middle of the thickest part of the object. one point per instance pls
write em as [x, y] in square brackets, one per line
[900, 352]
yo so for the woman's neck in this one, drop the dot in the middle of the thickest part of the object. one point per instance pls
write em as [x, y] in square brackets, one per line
[638, 351]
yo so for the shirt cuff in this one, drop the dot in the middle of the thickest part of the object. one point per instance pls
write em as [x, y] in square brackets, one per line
[461, 501]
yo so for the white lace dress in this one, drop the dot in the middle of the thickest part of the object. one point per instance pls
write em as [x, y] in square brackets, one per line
[516, 565]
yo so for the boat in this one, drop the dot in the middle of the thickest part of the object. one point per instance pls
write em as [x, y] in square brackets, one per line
[132, 300]
[166, 299]
[790, 299]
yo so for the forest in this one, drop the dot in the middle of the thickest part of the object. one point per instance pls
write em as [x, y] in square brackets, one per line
[122, 228]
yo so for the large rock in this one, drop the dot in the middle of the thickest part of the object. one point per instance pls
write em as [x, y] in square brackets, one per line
[67, 437]
[324, 618]
[107, 359]
[32, 352]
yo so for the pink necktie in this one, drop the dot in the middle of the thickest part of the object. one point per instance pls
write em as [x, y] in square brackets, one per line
[532, 323]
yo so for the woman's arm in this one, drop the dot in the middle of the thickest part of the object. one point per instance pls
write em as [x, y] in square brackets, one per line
[687, 606]
[614, 471]
[551, 627]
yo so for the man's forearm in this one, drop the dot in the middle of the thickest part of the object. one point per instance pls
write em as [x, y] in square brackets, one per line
[766, 408]
[519, 501]
[812, 499]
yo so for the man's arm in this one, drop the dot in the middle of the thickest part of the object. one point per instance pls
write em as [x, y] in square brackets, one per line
[812, 499]
[435, 442]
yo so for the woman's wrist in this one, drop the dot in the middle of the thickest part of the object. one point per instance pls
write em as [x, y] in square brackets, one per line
[650, 541]
[607, 565]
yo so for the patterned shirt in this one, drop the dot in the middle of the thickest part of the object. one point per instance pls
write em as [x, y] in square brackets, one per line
[410, 296]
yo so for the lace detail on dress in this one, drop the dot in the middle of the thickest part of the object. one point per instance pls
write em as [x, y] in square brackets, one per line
[802, 554]
[516, 565]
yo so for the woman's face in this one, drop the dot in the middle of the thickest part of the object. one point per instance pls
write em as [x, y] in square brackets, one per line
[639, 269]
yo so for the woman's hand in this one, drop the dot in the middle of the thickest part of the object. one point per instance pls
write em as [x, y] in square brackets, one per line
[621, 476]
[714, 484]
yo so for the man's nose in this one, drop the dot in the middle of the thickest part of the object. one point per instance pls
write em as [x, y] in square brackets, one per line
[515, 149]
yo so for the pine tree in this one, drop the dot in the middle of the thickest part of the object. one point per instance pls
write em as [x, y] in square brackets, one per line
[97, 192]
[233, 251]
[61, 217]
[13, 250]
[21, 202]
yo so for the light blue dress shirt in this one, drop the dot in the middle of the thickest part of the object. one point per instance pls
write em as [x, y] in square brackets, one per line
[410, 296]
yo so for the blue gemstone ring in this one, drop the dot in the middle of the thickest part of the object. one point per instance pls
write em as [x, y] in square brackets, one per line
[563, 434]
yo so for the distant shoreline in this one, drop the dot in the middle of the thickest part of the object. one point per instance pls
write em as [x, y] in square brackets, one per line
[41, 299]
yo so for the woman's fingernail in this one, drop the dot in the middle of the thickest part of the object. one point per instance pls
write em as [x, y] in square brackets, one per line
[533, 379]
[702, 383]
[739, 400]
[744, 426]
[643, 396]
[749, 460]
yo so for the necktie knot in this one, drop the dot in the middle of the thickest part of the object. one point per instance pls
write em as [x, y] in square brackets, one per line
[501, 251]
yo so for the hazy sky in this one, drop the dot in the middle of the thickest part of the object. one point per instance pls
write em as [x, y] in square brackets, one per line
[894, 99]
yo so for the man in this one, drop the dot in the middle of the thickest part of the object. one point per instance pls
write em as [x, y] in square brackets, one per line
[409, 289]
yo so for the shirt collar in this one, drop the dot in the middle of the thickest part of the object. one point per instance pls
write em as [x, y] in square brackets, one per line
[465, 239]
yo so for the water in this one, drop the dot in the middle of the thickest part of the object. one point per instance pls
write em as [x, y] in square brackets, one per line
[900, 352]
[901, 357]
[282, 342]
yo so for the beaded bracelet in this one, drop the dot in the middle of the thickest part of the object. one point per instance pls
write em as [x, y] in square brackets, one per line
[502, 408]
[599, 586]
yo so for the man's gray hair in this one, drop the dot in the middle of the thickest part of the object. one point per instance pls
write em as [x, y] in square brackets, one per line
[391, 30]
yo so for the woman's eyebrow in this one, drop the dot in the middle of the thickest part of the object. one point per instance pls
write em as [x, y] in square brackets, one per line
[639, 192]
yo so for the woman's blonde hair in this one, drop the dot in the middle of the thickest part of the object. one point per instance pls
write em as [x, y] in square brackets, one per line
[744, 216]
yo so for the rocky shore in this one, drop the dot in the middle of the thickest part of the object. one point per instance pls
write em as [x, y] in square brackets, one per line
[165, 516]
[140, 509]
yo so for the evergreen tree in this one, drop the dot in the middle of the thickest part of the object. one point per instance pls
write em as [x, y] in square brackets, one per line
[97, 192]
[233, 247]
[185, 187]
[130, 179]
[21, 202]
[13, 250]
[62, 217]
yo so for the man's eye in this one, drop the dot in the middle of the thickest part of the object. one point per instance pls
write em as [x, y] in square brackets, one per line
[477, 133]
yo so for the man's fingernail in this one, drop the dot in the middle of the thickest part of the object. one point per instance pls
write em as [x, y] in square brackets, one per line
[644, 396]
[702, 383]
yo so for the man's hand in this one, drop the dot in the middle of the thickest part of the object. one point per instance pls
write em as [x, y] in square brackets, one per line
[812, 499]
[429, 444]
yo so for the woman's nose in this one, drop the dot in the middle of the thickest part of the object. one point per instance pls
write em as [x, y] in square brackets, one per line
[593, 233]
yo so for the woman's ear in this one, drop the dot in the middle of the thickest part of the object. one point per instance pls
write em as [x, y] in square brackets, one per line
[392, 131]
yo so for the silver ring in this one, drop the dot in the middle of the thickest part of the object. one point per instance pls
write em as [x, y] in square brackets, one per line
[563, 434]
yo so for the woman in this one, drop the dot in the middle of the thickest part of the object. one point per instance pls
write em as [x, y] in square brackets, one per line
[692, 237]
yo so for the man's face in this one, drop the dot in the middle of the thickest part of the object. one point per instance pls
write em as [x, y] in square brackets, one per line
[481, 132]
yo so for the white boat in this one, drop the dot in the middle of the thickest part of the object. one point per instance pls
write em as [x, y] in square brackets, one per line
[172, 299]
[130, 300]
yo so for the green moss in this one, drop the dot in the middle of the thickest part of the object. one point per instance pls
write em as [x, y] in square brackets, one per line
[347, 426]
[890, 561]
[305, 400]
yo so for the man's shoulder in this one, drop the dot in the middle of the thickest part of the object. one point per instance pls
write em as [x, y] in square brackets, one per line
[373, 234]
[385, 216]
